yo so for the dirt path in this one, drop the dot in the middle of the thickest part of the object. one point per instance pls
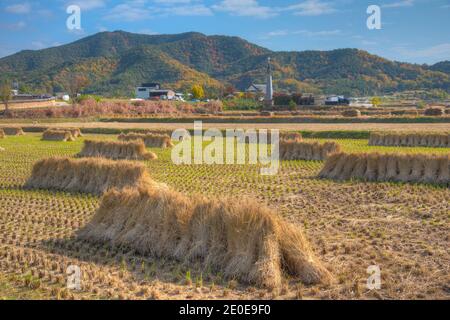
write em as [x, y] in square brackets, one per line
[283, 126]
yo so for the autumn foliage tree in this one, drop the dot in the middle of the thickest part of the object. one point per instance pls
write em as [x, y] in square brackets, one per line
[376, 101]
[5, 93]
[230, 90]
[197, 91]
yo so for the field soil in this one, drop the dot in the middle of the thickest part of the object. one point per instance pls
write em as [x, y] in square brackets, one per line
[13, 105]
[401, 228]
[280, 126]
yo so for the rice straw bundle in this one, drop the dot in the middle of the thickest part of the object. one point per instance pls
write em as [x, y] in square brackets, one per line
[297, 150]
[132, 150]
[237, 237]
[150, 140]
[388, 167]
[90, 175]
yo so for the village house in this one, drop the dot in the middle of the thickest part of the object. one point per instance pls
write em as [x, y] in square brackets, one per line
[149, 91]
[257, 89]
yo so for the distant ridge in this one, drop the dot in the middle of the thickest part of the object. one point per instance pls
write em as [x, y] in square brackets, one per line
[118, 61]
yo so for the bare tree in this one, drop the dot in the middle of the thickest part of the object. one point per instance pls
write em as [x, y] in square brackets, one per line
[5, 93]
[74, 83]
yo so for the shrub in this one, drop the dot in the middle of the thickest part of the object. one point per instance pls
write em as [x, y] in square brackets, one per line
[241, 104]
[292, 105]
[213, 106]
[301, 100]
[434, 111]
[281, 99]
[85, 97]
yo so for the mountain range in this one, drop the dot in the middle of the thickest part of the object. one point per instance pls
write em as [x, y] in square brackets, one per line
[117, 62]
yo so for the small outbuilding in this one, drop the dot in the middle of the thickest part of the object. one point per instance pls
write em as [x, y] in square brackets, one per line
[148, 91]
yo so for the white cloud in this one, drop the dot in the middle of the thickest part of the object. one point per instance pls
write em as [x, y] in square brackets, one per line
[253, 8]
[437, 52]
[249, 8]
[196, 10]
[311, 8]
[278, 33]
[172, 1]
[148, 31]
[132, 11]
[323, 33]
[138, 10]
[19, 8]
[14, 26]
[308, 33]
[45, 13]
[87, 4]
[398, 4]
[368, 43]
[38, 45]
[180, 8]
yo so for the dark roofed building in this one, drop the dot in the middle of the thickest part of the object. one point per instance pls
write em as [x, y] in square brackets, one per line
[257, 88]
[152, 85]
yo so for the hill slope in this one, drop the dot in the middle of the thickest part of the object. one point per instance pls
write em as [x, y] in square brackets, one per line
[443, 66]
[118, 61]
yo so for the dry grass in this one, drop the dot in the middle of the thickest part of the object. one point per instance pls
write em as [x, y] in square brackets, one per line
[296, 150]
[388, 167]
[13, 131]
[410, 139]
[2, 133]
[86, 175]
[150, 140]
[57, 135]
[157, 127]
[127, 150]
[237, 237]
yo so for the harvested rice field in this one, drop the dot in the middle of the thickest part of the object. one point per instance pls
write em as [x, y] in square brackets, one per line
[403, 228]
[419, 127]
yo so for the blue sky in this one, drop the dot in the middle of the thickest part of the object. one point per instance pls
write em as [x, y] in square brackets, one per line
[415, 31]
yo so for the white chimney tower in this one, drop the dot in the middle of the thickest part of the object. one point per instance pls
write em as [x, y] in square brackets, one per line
[268, 99]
